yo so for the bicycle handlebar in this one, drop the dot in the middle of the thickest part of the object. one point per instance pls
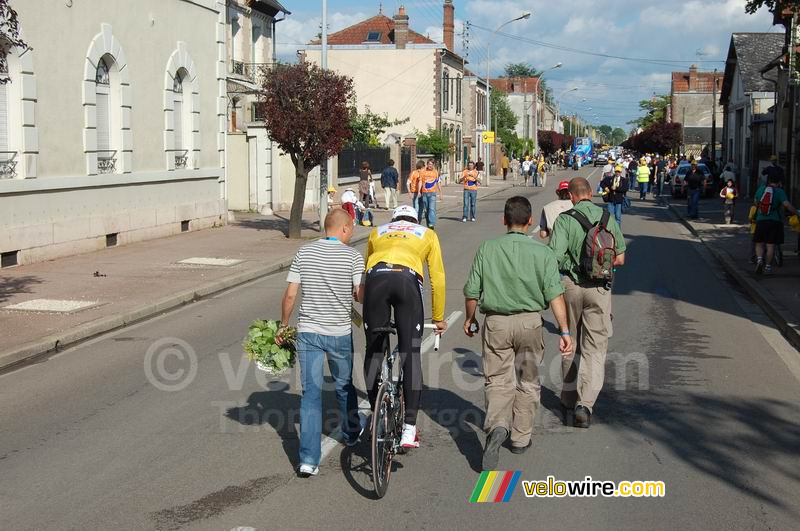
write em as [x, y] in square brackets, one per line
[435, 338]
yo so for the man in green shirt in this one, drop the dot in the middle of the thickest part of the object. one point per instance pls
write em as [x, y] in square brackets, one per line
[513, 279]
[588, 305]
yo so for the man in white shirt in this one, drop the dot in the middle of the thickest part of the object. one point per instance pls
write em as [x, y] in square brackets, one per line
[553, 209]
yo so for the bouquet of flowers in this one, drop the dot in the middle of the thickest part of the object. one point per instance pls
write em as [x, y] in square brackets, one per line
[261, 346]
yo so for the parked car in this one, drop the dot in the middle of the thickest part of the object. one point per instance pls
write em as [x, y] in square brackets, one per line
[677, 177]
[601, 159]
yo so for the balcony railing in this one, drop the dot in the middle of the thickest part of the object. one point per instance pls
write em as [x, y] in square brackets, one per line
[181, 159]
[249, 71]
[8, 164]
[106, 163]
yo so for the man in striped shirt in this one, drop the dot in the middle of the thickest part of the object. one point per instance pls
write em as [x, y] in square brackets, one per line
[328, 275]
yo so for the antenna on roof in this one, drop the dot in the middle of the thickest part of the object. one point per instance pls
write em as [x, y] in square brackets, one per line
[380, 8]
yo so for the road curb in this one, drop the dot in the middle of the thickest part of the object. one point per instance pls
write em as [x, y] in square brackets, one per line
[62, 340]
[773, 308]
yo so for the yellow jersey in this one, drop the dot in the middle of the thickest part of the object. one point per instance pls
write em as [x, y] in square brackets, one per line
[408, 244]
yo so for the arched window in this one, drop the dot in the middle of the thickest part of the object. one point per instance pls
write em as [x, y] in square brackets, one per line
[181, 120]
[458, 144]
[106, 156]
[445, 91]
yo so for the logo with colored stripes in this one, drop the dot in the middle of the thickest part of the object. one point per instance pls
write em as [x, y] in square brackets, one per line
[495, 486]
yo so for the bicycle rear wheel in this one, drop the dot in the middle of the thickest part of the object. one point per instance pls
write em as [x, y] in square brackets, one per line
[383, 434]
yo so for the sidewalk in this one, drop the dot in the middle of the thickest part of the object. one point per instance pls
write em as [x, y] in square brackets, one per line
[90, 294]
[779, 294]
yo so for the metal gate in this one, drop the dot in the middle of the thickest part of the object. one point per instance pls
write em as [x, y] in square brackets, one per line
[405, 168]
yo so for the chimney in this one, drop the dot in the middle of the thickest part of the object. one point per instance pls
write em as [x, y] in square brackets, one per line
[449, 25]
[401, 29]
[693, 78]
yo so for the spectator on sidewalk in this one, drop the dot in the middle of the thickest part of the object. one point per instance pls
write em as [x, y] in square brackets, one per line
[389, 179]
[729, 194]
[694, 185]
[614, 189]
[588, 303]
[505, 163]
[471, 180]
[349, 200]
[526, 169]
[770, 200]
[413, 184]
[429, 186]
[327, 273]
[553, 209]
[480, 166]
[364, 179]
[512, 299]
[541, 170]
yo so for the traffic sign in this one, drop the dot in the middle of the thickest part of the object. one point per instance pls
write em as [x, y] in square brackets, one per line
[488, 137]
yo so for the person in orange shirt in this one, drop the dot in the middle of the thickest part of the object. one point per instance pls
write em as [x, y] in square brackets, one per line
[429, 185]
[413, 185]
[471, 179]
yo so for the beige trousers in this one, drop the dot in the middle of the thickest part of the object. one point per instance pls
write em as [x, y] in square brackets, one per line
[513, 348]
[390, 197]
[589, 313]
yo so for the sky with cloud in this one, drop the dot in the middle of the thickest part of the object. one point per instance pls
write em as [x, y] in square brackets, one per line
[638, 42]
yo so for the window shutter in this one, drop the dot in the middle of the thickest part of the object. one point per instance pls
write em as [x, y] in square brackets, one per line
[177, 115]
[3, 121]
[103, 124]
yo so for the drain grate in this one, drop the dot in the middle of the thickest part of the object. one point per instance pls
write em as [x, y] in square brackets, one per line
[217, 262]
[52, 305]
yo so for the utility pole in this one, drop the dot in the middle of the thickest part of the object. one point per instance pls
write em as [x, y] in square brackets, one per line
[714, 120]
[325, 173]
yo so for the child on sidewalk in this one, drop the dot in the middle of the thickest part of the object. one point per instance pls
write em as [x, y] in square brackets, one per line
[729, 195]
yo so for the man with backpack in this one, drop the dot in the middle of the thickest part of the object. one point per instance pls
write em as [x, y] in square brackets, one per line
[588, 245]
[770, 199]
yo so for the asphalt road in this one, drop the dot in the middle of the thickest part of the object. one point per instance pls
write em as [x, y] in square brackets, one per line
[701, 394]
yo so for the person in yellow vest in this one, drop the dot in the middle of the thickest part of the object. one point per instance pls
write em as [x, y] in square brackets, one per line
[643, 178]
[541, 167]
[471, 180]
[413, 184]
[429, 186]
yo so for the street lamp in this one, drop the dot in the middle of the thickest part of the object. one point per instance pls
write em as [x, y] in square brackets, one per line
[526, 15]
[536, 97]
[558, 103]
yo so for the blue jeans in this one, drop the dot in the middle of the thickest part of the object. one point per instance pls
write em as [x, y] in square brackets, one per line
[694, 203]
[616, 211]
[470, 204]
[311, 350]
[643, 189]
[427, 206]
[535, 178]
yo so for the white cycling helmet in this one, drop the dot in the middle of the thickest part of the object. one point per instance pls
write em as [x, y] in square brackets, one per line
[405, 211]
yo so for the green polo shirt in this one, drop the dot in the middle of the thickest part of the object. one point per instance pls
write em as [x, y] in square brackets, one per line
[568, 238]
[513, 274]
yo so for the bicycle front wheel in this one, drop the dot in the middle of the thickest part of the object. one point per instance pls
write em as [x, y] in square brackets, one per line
[383, 434]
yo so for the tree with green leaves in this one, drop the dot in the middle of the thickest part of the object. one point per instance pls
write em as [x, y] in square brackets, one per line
[368, 127]
[519, 70]
[618, 136]
[754, 5]
[655, 109]
[434, 142]
[503, 118]
[9, 37]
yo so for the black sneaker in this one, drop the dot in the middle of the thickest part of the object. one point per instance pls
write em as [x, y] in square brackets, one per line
[759, 266]
[493, 443]
[521, 449]
[583, 417]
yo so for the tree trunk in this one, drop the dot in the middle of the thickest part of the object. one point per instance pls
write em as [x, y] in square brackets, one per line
[296, 217]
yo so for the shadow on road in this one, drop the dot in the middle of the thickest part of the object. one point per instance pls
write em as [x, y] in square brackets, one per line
[10, 286]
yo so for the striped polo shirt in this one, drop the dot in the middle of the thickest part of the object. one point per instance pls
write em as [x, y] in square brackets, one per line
[327, 271]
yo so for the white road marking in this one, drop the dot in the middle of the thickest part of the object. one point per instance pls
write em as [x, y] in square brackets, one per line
[52, 305]
[217, 262]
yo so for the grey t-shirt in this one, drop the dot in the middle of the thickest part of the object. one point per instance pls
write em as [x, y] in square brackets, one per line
[327, 271]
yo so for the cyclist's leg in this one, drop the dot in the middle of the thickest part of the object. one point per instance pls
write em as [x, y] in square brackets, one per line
[377, 314]
[409, 315]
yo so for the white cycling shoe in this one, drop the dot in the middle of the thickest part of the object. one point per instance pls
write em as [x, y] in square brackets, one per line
[410, 438]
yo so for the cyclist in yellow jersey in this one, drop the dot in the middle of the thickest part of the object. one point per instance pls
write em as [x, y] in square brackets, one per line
[395, 255]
